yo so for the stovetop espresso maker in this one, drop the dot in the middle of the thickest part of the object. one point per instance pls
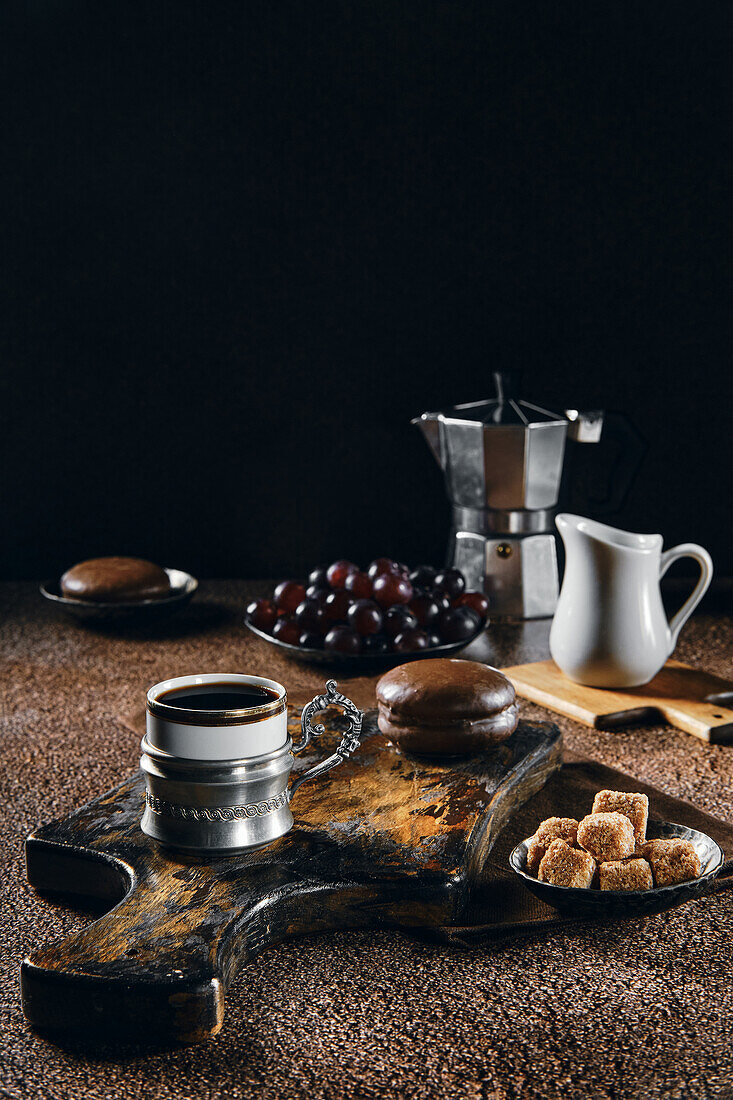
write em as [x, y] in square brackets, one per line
[503, 463]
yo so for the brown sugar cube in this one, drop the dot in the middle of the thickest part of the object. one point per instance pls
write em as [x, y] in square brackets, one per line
[607, 836]
[553, 828]
[565, 866]
[625, 874]
[633, 806]
[672, 861]
[654, 848]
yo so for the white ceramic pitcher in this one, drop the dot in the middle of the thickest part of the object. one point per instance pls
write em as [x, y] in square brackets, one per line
[610, 629]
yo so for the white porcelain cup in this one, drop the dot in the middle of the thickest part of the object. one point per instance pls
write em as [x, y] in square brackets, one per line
[216, 734]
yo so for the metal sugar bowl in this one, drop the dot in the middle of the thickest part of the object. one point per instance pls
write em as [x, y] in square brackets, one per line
[217, 781]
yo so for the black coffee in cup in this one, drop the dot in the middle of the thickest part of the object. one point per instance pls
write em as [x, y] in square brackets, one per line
[224, 696]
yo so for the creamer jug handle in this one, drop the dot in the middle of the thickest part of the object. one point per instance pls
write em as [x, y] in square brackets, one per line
[703, 559]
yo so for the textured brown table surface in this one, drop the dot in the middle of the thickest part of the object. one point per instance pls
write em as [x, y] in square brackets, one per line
[612, 1009]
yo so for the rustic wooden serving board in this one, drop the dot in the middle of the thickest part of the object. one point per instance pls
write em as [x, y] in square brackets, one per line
[697, 702]
[382, 840]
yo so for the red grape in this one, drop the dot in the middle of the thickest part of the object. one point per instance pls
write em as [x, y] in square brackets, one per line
[365, 617]
[316, 592]
[476, 601]
[425, 609]
[458, 624]
[339, 571]
[310, 615]
[262, 614]
[423, 576]
[287, 630]
[374, 643]
[434, 639]
[398, 619]
[311, 639]
[342, 639]
[381, 565]
[288, 595]
[319, 576]
[441, 599]
[410, 641]
[337, 606]
[392, 588]
[359, 585]
[450, 581]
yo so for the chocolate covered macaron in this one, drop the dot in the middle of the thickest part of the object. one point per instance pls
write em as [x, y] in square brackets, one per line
[446, 707]
[116, 580]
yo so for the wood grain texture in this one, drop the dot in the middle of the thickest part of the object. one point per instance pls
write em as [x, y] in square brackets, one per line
[383, 840]
[687, 698]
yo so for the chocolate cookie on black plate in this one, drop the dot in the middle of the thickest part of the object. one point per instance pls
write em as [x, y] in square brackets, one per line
[115, 580]
[446, 707]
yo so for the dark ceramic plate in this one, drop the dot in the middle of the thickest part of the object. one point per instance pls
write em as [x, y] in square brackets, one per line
[183, 586]
[362, 660]
[621, 903]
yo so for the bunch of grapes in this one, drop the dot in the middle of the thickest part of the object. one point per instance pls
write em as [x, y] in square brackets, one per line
[386, 609]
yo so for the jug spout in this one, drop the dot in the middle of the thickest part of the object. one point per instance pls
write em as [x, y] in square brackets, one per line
[613, 540]
[429, 425]
[569, 527]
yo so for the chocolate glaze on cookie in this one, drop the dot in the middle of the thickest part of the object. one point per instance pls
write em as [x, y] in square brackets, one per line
[446, 707]
[115, 580]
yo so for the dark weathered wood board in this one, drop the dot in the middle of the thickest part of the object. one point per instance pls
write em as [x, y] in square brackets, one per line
[382, 840]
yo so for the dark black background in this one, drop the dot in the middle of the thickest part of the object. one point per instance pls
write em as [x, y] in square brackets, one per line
[243, 244]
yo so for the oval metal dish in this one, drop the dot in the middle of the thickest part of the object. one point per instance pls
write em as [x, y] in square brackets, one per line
[363, 660]
[572, 900]
[183, 587]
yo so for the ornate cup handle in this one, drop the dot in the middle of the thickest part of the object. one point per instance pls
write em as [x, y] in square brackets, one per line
[349, 741]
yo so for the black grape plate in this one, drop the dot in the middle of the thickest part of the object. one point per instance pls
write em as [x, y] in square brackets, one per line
[362, 660]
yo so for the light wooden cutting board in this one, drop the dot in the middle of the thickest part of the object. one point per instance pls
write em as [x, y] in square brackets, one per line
[685, 697]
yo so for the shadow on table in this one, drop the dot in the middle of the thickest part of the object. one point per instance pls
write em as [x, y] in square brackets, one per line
[197, 618]
[99, 1049]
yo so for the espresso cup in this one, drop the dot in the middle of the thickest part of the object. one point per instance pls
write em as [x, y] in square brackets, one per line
[204, 734]
[216, 779]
